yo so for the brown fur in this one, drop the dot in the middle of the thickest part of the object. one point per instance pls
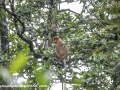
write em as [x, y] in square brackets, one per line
[61, 49]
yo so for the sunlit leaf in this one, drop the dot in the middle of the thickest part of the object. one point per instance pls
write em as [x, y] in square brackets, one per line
[18, 63]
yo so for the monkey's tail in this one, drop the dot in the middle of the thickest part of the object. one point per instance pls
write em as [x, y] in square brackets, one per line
[64, 61]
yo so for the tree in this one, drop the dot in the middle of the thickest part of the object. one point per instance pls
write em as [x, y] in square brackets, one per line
[92, 37]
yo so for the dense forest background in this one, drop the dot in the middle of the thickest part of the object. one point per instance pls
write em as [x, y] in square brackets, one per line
[27, 28]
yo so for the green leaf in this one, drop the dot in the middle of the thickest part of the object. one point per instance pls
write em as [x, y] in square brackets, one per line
[42, 78]
[18, 63]
[76, 80]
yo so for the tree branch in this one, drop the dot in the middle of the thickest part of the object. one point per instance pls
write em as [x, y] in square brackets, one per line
[68, 10]
[20, 34]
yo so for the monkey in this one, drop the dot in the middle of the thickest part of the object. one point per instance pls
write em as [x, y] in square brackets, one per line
[61, 50]
[53, 23]
[61, 53]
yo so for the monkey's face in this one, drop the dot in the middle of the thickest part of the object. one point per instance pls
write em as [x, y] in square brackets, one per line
[55, 39]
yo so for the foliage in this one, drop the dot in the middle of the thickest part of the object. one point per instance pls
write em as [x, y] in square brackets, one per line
[92, 37]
